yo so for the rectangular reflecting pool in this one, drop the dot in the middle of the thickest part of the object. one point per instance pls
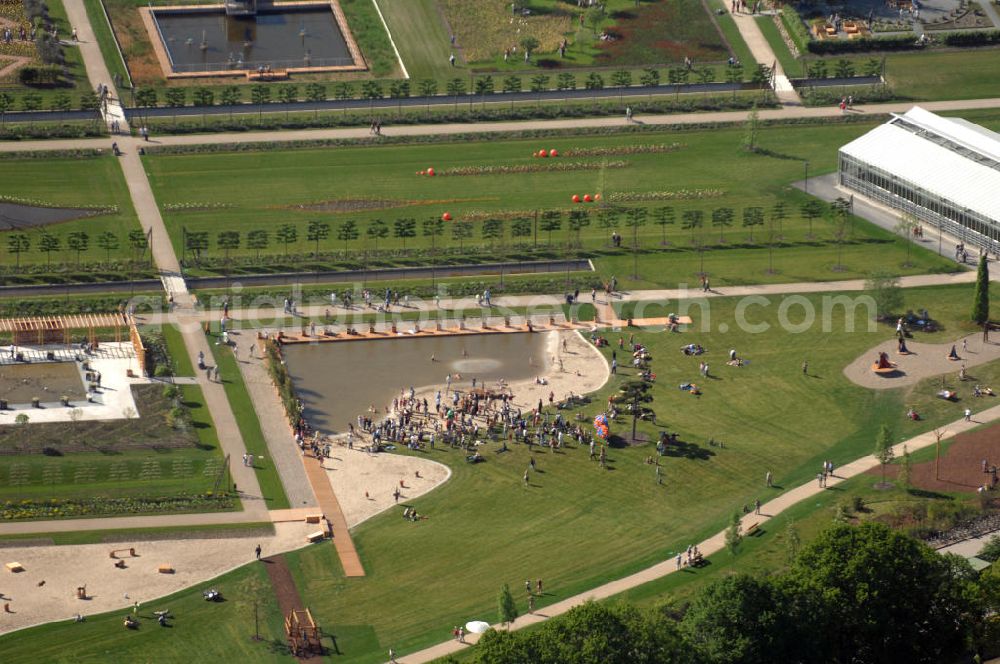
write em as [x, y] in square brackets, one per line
[283, 37]
[339, 381]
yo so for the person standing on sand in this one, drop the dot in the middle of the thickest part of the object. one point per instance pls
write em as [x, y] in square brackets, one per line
[257, 551]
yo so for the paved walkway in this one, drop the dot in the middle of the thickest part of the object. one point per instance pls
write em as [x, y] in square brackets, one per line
[93, 61]
[284, 454]
[712, 545]
[764, 54]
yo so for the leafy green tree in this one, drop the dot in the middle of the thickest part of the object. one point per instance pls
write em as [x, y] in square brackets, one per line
[203, 97]
[433, 228]
[706, 75]
[7, 103]
[31, 101]
[566, 81]
[343, 91]
[493, 230]
[196, 242]
[844, 68]
[817, 68]
[88, 101]
[609, 218]
[884, 289]
[873, 67]
[692, 220]
[551, 221]
[740, 619]
[751, 130]
[107, 241]
[650, 77]
[981, 299]
[722, 218]
[17, 244]
[456, 88]
[315, 92]
[176, 97]
[461, 231]
[79, 242]
[288, 94]
[347, 231]
[146, 97]
[663, 217]
[287, 234]
[258, 239]
[138, 242]
[377, 230]
[540, 82]
[512, 84]
[227, 241]
[594, 82]
[252, 597]
[484, 85]
[372, 90]
[905, 476]
[793, 541]
[578, 220]
[48, 243]
[752, 216]
[734, 534]
[883, 448]
[594, 17]
[399, 89]
[520, 227]
[635, 219]
[883, 596]
[779, 213]
[405, 228]
[506, 608]
[990, 550]
[62, 102]
[260, 94]
[428, 87]
[621, 78]
[636, 394]
[317, 231]
[529, 44]
[811, 210]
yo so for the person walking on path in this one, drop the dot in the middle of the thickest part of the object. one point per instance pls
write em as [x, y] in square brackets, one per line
[680, 560]
[628, 114]
[531, 603]
[968, 414]
[756, 505]
[392, 656]
[257, 551]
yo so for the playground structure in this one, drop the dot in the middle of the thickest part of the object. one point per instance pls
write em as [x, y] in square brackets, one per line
[56, 330]
[303, 633]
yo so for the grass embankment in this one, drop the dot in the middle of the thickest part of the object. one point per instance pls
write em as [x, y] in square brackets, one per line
[748, 408]
[249, 425]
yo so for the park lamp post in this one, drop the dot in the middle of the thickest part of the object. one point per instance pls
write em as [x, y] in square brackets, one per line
[806, 163]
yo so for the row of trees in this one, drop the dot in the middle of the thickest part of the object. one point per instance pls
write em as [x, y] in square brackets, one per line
[478, 85]
[60, 101]
[494, 230]
[77, 242]
[856, 594]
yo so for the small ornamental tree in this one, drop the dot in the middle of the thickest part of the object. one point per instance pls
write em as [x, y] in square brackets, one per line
[981, 303]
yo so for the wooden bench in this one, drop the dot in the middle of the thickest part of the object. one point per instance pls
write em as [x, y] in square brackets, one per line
[272, 75]
[14, 567]
[313, 518]
[754, 528]
[114, 553]
[165, 568]
[317, 536]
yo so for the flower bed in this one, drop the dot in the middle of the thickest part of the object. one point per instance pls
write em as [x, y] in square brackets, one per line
[676, 195]
[550, 167]
[105, 506]
[623, 150]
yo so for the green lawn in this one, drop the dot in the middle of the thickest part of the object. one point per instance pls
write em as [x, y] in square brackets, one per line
[627, 520]
[94, 182]
[106, 40]
[419, 33]
[246, 418]
[118, 459]
[963, 74]
[694, 172]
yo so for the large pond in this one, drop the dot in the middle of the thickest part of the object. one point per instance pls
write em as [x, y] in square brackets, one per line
[208, 40]
[338, 381]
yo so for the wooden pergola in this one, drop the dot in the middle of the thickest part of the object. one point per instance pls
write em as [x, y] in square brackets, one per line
[49, 330]
[303, 633]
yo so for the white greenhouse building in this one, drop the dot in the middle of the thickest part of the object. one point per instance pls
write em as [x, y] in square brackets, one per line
[943, 171]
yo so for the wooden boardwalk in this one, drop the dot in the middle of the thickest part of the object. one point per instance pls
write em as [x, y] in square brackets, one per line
[328, 505]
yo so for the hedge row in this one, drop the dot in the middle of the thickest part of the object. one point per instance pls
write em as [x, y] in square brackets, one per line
[887, 43]
[980, 38]
[275, 120]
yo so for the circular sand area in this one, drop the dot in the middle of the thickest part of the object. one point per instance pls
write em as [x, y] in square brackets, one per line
[924, 361]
